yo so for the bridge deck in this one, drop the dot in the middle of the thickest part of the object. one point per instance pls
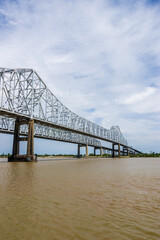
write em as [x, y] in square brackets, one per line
[41, 122]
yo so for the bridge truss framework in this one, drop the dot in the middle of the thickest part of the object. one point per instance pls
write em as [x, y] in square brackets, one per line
[24, 98]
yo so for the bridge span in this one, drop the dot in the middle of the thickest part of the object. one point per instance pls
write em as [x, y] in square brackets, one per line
[29, 109]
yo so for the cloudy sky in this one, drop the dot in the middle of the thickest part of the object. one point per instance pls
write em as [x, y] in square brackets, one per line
[101, 58]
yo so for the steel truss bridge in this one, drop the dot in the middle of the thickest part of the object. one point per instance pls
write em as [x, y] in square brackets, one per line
[29, 109]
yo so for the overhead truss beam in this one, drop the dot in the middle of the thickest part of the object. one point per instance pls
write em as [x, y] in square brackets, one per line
[23, 93]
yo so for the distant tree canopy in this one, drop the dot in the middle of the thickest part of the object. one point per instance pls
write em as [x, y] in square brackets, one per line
[151, 154]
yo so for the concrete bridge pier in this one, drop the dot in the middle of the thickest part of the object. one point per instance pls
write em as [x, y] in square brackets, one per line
[15, 150]
[30, 140]
[79, 150]
[125, 151]
[101, 151]
[94, 151]
[116, 150]
[86, 150]
[29, 157]
[119, 150]
[113, 152]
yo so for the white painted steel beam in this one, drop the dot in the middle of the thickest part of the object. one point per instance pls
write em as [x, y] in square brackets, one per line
[24, 94]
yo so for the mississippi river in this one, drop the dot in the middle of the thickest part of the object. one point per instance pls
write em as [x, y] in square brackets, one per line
[80, 199]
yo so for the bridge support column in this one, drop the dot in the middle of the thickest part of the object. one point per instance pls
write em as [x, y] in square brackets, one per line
[94, 151]
[79, 151]
[30, 142]
[125, 151]
[101, 151]
[119, 150]
[86, 150]
[15, 150]
[113, 153]
[29, 157]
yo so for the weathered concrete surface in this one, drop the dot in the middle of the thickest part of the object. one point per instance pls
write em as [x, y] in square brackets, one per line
[22, 158]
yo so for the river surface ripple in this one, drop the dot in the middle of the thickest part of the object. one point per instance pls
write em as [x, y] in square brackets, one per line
[80, 199]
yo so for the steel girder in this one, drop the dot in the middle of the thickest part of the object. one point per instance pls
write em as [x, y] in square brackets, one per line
[7, 125]
[22, 91]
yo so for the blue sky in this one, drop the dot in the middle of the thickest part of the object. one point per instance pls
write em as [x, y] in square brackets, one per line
[101, 58]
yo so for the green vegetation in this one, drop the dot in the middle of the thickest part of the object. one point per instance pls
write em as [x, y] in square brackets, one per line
[3, 155]
[151, 154]
[145, 155]
[56, 155]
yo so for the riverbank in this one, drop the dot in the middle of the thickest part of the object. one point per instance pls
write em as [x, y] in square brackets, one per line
[138, 155]
[57, 158]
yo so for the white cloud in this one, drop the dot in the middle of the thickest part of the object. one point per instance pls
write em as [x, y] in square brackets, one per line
[89, 53]
[138, 97]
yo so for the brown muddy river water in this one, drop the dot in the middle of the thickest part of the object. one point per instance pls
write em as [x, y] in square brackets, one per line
[80, 199]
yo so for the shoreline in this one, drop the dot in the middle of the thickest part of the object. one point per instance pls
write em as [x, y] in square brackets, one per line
[60, 158]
